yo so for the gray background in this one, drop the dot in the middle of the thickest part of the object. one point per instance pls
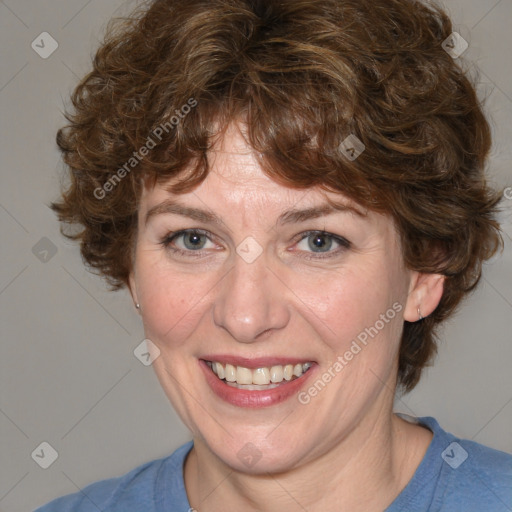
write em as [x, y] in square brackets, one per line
[68, 373]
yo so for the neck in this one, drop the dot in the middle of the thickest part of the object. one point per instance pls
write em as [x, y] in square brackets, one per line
[364, 471]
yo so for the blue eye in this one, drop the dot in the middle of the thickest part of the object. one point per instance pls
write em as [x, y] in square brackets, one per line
[188, 240]
[320, 241]
[196, 243]
[193, 240]
[320, 244]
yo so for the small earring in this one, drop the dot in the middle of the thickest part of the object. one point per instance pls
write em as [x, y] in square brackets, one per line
[137, 305]
[419, 314]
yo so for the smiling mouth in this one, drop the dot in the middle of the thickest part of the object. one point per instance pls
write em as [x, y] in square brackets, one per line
[258, 378]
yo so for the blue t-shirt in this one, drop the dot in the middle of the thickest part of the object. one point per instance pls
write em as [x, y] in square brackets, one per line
[454, 476]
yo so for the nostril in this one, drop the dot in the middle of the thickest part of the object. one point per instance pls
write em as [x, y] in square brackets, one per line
[262, 334]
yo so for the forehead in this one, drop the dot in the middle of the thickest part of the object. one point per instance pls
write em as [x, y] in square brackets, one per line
[238, 195]
[236, 176]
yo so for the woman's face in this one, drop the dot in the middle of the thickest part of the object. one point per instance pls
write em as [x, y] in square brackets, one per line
[271, 280]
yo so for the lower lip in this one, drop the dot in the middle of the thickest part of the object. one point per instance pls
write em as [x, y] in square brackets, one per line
[253, 399]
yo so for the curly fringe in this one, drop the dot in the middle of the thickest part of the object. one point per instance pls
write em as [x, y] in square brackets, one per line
[302, 75]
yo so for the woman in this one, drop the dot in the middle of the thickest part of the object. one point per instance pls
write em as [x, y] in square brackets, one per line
[293, 194]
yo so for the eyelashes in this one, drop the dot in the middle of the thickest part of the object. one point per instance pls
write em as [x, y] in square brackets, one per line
[316, 240]
[192, 251]
[198, 243]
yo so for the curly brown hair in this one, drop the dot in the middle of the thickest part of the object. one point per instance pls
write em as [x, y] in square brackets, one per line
[303, 75]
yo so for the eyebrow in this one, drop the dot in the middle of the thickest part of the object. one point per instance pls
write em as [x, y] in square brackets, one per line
[169, 206]
[295, 216]
[292, 216]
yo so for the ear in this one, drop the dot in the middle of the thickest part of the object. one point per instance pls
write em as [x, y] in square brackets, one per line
[425, 292]
[133, 290]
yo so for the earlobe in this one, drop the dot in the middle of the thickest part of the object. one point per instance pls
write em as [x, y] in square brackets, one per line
[133, 291]
[425, 293]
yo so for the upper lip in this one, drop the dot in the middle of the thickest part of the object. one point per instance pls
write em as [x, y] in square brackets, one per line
[255, 362]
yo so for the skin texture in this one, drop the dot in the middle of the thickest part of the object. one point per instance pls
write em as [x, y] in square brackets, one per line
[343, 449]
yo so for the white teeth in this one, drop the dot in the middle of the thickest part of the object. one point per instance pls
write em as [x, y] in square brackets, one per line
[243, 375]
[276, 374]
[219, 370]
[230, 373]
[247, 378]
[251, 387]
[288, 372]
[261, 376]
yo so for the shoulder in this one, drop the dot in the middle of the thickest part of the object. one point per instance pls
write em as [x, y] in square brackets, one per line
[471, 476]
[484, 475]
[133, 491]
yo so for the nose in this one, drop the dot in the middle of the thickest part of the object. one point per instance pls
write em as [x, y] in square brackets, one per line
[251, 301]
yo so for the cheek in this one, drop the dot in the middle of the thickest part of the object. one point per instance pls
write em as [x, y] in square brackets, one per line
[172, 302]
[346, 304]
